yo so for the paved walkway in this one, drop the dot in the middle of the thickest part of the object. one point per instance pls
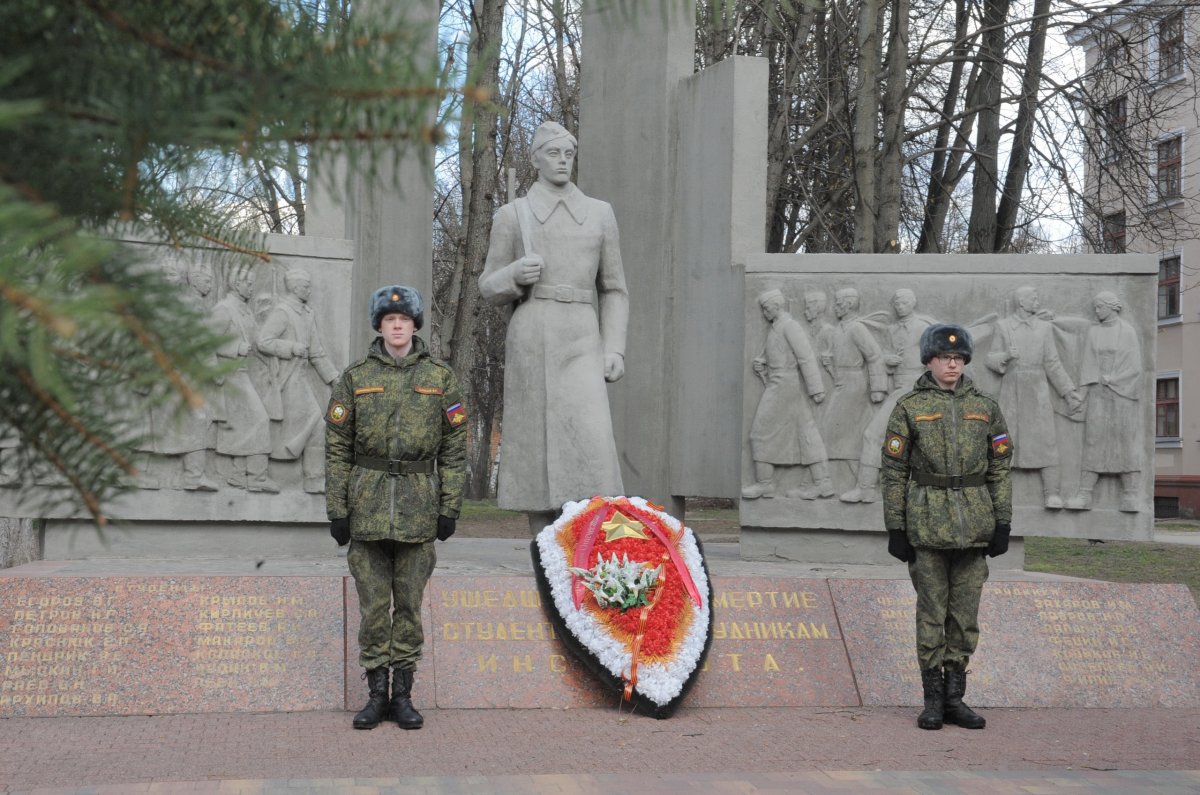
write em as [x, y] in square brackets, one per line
[763, 750]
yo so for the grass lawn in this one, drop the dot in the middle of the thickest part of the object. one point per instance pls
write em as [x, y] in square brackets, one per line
[1116, 561]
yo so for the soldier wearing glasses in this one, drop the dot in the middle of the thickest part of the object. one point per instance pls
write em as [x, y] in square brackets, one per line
[947, 502]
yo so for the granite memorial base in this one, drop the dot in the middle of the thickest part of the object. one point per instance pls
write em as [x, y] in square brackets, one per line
[189, 644]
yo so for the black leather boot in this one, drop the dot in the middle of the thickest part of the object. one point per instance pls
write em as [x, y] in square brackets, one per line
[935, 699]
[402, 709]
[377, 703]
[956, 711]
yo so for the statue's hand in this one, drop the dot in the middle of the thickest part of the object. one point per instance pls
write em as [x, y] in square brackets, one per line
[614, 367]
[877, 397]
[818, 397]
[299, 350]
[528, 269]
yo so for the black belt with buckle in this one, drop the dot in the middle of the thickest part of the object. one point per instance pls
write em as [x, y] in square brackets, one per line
[394, 466]
[948, 481]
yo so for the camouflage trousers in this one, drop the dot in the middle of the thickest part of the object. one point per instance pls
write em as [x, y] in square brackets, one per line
[948, 583]
[390, 578]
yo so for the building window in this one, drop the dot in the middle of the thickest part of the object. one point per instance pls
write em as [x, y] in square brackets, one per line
[1114, 233]
[1168, 287]
[1168, 173]
[1112, 124]
[1166, 409]
[1170, 46]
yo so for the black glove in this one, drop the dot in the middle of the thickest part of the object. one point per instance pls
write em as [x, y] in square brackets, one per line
[899, 548]
[999, 542]
[340, 530]
[445, 527]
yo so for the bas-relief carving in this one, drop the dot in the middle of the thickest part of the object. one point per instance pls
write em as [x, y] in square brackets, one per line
[1040, 365]
[267, 409]
[785, 432]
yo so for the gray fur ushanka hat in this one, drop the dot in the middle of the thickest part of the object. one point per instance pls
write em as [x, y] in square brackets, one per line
[946, 338]
[396, 298]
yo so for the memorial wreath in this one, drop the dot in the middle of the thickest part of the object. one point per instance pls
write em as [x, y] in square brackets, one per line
[627, 590]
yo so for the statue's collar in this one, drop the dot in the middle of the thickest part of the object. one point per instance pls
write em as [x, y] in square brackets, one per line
[543, 201]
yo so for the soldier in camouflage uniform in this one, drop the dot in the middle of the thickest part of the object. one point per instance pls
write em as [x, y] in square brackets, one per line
[947, 502]
[395, 445]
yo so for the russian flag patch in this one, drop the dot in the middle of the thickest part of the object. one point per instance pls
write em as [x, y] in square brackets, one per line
[1001, 445]
[456, 414]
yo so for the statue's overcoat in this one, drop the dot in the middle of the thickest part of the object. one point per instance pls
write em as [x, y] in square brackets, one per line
[556, 440]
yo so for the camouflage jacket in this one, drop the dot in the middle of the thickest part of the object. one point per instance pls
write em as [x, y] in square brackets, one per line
[935, 431]
[410, 411]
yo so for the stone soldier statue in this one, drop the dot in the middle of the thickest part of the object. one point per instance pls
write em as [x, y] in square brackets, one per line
[291, 341]
[784, 432]
[244, 434]
[1025, 356]
[555, 257]
[1111, 377]
[902, 358]
[947, 501]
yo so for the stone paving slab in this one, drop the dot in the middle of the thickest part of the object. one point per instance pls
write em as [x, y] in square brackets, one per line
[471, 750]
[1118, 782]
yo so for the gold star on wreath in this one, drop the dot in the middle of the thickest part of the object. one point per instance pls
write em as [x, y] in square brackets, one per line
[621, 526]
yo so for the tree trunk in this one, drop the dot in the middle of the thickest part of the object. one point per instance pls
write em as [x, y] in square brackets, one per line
[981, 233]
[1018, 160]
[937, 196]
[891, 159]
[865, 113]
[469, 335]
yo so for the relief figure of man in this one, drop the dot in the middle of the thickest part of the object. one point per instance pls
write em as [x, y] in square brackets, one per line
[902, 358]
[1026, 357]
[245, 434]
[784, 431]
[859, 380]
[291, 341]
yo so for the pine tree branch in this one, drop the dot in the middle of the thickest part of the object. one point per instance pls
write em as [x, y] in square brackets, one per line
[77, 425]
[190, 396]
[62, 326]
[159, 41]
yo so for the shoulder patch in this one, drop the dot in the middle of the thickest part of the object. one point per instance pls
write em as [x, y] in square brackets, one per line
[1001, 445]
[337, 412]
[895, 445]
[367, 390]
[456, 414]
[429, 390]
[927, 417]
[975, 415]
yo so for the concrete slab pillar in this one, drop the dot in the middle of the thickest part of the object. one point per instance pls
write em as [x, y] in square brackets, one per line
[635, 58]
[390, 221]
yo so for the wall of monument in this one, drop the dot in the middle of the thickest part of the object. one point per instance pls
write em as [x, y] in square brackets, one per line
[1065, 343]
[254, 452]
